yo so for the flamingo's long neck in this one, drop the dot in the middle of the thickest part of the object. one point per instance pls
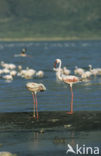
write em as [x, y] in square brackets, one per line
[58, 73]
[60, 67]
[90, 68]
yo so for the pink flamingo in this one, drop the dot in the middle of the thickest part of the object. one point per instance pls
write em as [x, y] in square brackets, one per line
[34, 88]
[70, 79]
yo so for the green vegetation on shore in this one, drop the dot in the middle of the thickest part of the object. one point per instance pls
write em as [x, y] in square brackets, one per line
[50, 20]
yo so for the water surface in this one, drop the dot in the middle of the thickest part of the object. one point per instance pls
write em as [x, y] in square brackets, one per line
[14, 97]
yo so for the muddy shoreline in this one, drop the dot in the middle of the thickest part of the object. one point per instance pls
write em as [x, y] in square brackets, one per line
[79, 121]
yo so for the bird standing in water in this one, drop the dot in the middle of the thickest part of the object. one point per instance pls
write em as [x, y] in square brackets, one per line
[34, 88]
[69, 79]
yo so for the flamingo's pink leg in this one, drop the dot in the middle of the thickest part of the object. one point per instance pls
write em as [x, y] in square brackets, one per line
[71, 100]
[71, 112]
[37, 107]
[34, 104]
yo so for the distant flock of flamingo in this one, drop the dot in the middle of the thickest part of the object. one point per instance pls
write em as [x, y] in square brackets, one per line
[9, 71]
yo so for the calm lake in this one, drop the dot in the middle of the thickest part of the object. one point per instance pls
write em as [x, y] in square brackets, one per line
[14, 97]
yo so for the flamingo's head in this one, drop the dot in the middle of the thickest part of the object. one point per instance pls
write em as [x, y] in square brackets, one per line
[57, 61]
[2, 63]
[90, 66]
[19, 67]
[76, 67]
[42, 87]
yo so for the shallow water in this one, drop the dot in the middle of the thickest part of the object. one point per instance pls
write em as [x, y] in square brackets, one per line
[49, 143]
[15, 98]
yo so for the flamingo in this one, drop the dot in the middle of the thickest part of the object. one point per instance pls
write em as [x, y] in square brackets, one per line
[19, 67]
[5, 153]
[29, 73]
[63, 70]
[66, 71]
[5, 70]
[34, 88]
[13, 72]
[40, 74]
[94, 71]
[7, 77]
[85, 76]
[11, 66]
[1, 71]
[79, 71]
[26, 73]
[58, 70]
[3, 64]
[8, 65]
[70, 79]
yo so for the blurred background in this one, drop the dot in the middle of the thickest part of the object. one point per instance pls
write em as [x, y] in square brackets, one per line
[42, 19]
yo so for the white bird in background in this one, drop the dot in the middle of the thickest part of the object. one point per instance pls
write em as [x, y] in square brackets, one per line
[13, 73]
[59, 70]
[94, 71]
[5, 70]
[70, 79]
[29, 73]
[66, 71]
[78, 71]
[11, 66]
[34, 88]
[26, 73]
[1, 71]
[21, 73]
[63, 70]
[5, 153]
[40, 74]
[56, 69]
[7, 77]
[99, 71]
[10, 70]
[86, 75]
[3, 64]
[19, 68]
[8, 65]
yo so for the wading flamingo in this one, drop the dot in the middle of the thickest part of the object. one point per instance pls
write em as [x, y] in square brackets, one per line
[78, 71]
[34, 88]
[40, 74]
[66, 71]
[94, 71]
[70, 79]
[63, 70]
